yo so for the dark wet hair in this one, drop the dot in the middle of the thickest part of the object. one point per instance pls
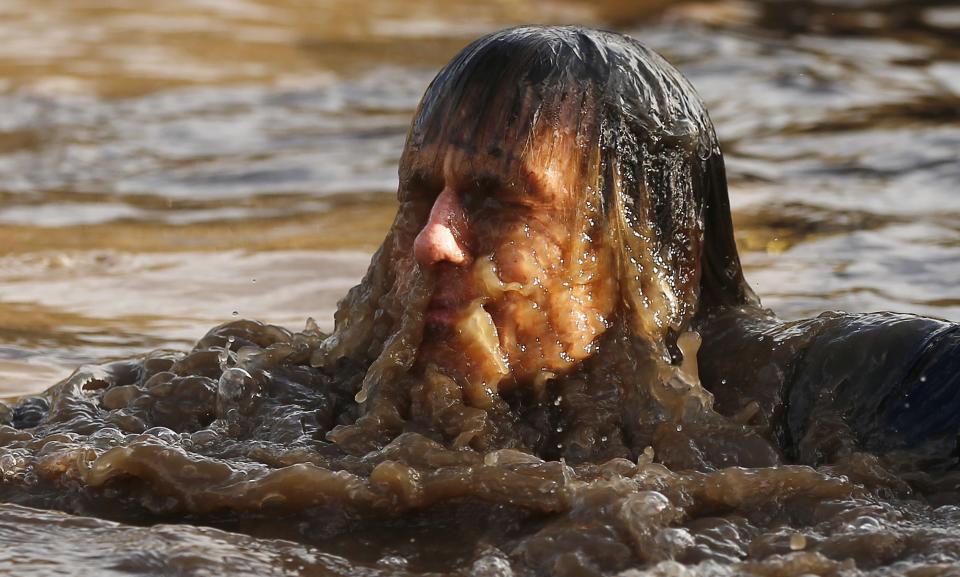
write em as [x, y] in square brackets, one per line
[650, 154]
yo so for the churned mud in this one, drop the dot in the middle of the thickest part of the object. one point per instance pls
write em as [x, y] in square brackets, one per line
[232, 435]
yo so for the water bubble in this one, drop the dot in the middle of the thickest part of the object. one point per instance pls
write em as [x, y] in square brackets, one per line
[232, 383]
[556, 402]
[163, 433]
[603, 439]
[9, 465]
[923, 378]
[867, 523]
[644, 507]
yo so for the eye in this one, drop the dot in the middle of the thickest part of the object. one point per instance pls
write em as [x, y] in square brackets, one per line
[420, 187]
[480, 204]
[489, 193]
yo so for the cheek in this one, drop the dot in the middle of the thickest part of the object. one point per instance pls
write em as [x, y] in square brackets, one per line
[528, 336]
[561, 307]
[575, 322]
[522, 321]
[580, 311]
[517, 263]
[523, 256]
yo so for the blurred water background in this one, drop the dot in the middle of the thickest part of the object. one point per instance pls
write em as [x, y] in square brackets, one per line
[168, 166]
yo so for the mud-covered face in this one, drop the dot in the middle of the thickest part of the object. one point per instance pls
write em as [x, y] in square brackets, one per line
[523, 285]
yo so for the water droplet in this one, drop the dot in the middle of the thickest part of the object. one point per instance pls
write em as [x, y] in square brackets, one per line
[253, 280]
[798, 542]
[236, 313]
[679, 428]
[603, 439]
[923, 378]
[559, 429]
[556, 403]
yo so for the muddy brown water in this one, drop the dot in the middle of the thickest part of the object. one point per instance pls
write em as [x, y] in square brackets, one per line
[168, 169]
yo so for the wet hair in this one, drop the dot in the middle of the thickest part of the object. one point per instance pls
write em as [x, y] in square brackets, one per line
[648, 164]
[648, 154]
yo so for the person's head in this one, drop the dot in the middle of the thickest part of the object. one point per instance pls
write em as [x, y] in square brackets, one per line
[557, 182]
[565, 176]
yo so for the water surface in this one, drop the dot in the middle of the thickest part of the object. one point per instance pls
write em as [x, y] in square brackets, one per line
[165, 169]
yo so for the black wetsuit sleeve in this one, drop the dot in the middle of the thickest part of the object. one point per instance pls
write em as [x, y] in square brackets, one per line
[892, 379]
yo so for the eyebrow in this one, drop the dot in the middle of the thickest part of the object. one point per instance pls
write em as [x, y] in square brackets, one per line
[485, 181]
[421, 178]
[501, 153]
[427, 179]
[480, 180]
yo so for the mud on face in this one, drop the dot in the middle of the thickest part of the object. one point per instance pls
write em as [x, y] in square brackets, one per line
[520, 288]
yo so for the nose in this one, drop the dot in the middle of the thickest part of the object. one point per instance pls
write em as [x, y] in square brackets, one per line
[441, 238]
